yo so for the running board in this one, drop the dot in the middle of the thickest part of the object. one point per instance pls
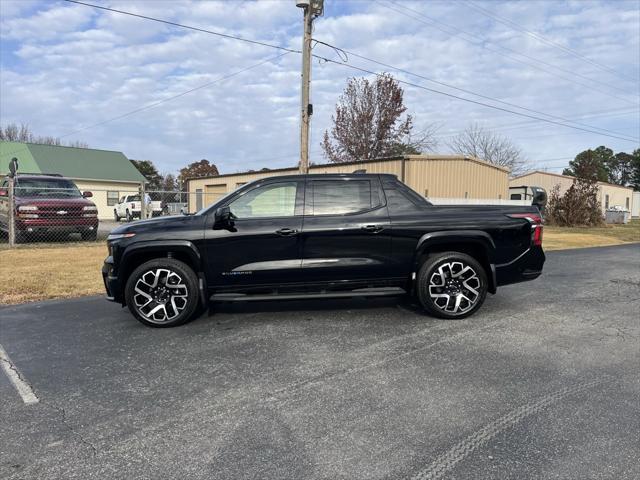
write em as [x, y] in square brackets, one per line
[361, 292]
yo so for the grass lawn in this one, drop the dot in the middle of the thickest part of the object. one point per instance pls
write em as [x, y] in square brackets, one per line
[559, 238]
[31, 274]
[41, 271]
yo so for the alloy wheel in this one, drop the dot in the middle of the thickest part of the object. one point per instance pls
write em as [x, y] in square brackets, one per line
[160, 295]
[454, 287]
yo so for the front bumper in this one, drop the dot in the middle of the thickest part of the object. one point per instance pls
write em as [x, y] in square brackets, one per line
[111, 281]
[45, 225]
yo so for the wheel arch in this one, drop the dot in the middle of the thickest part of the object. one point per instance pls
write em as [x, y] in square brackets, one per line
[139, 253]
[476, 244]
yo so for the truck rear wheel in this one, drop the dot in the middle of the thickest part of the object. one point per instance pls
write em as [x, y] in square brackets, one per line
[452, 285]
[163, 293]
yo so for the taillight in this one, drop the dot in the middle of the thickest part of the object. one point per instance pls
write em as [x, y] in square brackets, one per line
[536, 226]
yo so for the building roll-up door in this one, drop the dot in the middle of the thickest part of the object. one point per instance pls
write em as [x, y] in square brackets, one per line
[214, 192]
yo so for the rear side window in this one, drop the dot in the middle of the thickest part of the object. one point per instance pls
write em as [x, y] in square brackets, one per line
[516, 196]
[340, 197]
[398, 202]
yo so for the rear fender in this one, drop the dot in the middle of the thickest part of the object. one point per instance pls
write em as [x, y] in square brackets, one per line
[477, 241]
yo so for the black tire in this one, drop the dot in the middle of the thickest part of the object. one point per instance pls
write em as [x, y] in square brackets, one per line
[89, 236]
[128, 216]
[115, 216]
[172, 295]
[460, 294]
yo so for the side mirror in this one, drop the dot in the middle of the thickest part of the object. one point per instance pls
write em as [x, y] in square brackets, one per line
[223, 218]
[4, 192]
[87, 194]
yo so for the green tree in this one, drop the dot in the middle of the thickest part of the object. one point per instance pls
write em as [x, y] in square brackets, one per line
[150, 172]
[598, 161]
[634, 178]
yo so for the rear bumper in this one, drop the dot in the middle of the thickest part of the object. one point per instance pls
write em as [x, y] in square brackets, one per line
[111, 282]
[527, 266]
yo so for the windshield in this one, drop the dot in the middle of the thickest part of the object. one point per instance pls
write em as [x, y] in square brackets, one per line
[46, 187]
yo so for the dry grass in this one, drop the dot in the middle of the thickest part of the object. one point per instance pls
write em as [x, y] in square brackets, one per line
[30, 274]
[560, 238]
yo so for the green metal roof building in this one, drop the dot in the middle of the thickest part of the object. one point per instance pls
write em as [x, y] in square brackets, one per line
[107, 174]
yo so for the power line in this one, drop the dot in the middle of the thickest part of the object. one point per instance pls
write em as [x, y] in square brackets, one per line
[188, 27]
[486, 97]
[173, 97]
[332, 61]
[534, 124]
[456, 30]
[164, 100]
[450, 95]
[537, 36]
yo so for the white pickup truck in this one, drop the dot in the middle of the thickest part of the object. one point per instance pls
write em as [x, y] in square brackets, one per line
[128, 207]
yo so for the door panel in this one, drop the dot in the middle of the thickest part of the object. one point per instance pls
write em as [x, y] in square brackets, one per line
[346, 246]
[260, 249]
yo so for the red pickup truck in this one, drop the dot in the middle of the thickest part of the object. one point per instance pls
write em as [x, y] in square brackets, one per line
[48, 204]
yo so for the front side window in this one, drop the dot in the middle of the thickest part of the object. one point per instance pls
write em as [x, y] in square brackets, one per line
[339, 197]
[273, 200]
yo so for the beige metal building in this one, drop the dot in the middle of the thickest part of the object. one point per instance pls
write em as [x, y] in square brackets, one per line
[609, 194]
[449, 176]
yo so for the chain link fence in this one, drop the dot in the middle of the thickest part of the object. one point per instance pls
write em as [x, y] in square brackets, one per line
[41, 211]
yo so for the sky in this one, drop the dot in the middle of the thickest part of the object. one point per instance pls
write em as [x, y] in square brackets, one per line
[81, 73]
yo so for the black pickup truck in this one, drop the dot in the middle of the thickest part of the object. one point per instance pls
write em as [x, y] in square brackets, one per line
[321, 236]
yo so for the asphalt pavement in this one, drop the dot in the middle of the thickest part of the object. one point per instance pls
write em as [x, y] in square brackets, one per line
[543, 382]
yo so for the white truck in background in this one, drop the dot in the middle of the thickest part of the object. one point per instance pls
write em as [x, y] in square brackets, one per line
[128, 207]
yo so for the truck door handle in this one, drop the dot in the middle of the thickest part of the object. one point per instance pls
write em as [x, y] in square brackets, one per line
[372, 228]
[287, 232]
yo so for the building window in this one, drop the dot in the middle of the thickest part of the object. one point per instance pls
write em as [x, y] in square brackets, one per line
[112, 197]
[606, 202]
[626, 203]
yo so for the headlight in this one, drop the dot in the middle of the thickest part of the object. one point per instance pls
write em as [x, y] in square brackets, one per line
[27, 208]
[118, 236]
[90, 208]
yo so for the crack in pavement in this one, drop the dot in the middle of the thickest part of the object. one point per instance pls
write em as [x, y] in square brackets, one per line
[74, 432]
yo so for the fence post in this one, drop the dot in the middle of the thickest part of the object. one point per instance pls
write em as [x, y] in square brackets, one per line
[11, 214]
[143, 202]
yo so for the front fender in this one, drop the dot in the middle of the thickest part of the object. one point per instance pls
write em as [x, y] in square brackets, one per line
[163, 246]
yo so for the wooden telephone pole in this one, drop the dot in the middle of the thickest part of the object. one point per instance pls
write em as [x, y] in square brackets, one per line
[312, 10]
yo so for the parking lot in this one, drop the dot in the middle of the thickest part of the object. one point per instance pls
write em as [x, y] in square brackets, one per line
[542, 383]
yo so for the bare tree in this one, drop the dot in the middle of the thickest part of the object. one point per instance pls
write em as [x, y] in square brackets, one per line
[481, 143]
[368, 124]
[12, 133]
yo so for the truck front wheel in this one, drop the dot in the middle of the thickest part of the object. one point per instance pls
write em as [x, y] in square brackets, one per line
[163, 293]
[451, 285]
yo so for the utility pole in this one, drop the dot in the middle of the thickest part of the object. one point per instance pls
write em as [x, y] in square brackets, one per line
[312, 9]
